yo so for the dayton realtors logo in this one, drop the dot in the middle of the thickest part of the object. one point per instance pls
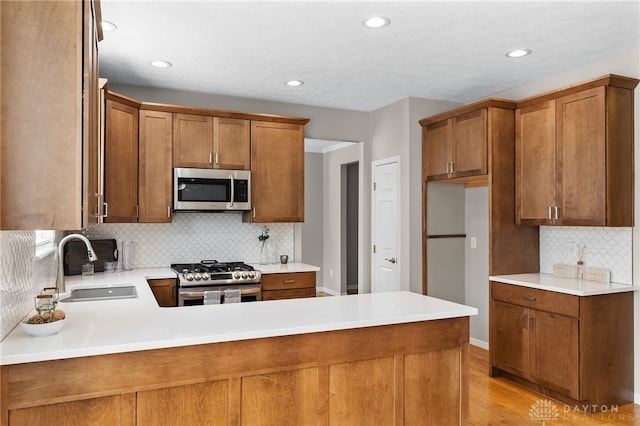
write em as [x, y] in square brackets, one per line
[544, 410]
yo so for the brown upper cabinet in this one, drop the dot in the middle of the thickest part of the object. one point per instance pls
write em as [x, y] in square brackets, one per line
[574, 155]
[277, 172]
[49, 98]
[121, 159]
[456, 147]
[155, 187]
[211, 142]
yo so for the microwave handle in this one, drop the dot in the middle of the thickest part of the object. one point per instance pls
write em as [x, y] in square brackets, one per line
[232, 192]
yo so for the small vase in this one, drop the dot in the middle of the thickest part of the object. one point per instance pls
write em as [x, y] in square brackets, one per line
[266, 253]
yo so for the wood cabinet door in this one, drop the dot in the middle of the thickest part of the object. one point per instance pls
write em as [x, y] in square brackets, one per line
[277, 172]
[554, 352]
[155, 186]
[231, 143]
[121, 163]
[437, 149]
[509, 339]
[535, 164]
[192, 140]
[581, 158]
[469, 144]
[164, 291]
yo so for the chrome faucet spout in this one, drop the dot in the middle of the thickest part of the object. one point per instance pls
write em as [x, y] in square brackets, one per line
[90, 252]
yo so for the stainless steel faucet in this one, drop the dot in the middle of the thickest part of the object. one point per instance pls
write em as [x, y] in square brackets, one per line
[92, 257]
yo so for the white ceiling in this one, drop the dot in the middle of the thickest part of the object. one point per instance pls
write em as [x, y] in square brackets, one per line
[447, 50]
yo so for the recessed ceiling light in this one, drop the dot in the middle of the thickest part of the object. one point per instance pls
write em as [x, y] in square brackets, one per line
[376, 22]
[294, 83]
[519, 53]
[161, 64]
[109, 26]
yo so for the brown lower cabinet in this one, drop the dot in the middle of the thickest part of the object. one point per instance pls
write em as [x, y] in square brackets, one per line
[576, 349]
[400, 374]
[288, 286]
[165, 291]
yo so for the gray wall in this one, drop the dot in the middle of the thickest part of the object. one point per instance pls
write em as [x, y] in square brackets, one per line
[312, 229]
[352, 222]
[476, 261]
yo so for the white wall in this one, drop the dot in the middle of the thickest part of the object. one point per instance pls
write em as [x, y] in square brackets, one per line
[628, 65]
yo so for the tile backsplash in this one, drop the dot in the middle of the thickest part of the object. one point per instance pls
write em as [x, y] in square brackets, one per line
[606, 248]
[22, 276]
[193, 237]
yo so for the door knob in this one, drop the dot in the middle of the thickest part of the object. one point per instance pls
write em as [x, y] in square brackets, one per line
[392, 260]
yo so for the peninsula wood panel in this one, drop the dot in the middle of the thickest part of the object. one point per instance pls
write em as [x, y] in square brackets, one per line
[361, 365]
[155, 167]
[287, 398]
[95, 411]
[197, 404]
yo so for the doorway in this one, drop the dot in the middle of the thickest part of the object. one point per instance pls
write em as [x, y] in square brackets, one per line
[350, 183]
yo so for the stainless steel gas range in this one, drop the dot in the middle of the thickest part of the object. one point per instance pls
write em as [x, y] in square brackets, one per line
[199, 280]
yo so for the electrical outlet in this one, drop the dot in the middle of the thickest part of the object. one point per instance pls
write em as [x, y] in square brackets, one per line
[474, 242]
[571, 247]
[331, 272]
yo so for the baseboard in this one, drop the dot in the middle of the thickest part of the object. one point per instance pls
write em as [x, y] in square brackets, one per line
[636, 398]
[479, 343]
[328, 291]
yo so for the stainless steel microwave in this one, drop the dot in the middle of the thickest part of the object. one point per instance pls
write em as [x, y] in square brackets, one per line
[211, 189]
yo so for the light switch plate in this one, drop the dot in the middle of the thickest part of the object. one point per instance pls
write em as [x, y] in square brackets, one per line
[565, 271]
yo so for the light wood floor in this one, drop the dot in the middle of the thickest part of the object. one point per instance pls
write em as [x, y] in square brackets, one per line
[496, 401]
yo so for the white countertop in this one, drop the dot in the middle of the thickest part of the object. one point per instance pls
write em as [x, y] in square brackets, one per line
[563, 285]
[279, 268]
[125, 325]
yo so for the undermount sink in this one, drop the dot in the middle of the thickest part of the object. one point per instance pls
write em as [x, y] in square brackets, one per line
[101, 293]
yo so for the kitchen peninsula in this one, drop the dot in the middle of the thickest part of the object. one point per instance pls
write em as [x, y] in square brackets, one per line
[386, 358]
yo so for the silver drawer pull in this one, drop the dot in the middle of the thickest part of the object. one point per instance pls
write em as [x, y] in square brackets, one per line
[529, 298]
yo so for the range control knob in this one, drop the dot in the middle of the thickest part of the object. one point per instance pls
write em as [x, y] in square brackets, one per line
[244, 275]
[189, 276]
[252, 274]
[197, 276]
[205, 276]
[236, 275]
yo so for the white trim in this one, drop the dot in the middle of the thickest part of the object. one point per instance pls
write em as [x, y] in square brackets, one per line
[636, 398]
[479, 343]
[374, 164]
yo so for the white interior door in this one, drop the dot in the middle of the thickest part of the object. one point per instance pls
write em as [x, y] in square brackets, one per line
[385, 229]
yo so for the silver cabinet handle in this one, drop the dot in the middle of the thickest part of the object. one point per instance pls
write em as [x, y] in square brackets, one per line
[106, 209]
[168, 211]
[254, 212]
[210, 157]
[392, 260]
[529, 298]
[217, 158]
[525, 321]
[550, 212]
[288, 281]
[453, 168]
[557, 209]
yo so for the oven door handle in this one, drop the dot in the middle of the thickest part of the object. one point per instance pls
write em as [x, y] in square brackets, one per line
[200, 294]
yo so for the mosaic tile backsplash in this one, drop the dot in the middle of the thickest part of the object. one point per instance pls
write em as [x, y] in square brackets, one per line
[605, 248]
[193, 237]
[22, 276]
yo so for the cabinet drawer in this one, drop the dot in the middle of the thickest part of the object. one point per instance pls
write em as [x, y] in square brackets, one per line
[288, 281]
[295, 293]
[560, 303]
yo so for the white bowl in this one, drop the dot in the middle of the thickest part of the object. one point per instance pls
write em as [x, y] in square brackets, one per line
[46, 329]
